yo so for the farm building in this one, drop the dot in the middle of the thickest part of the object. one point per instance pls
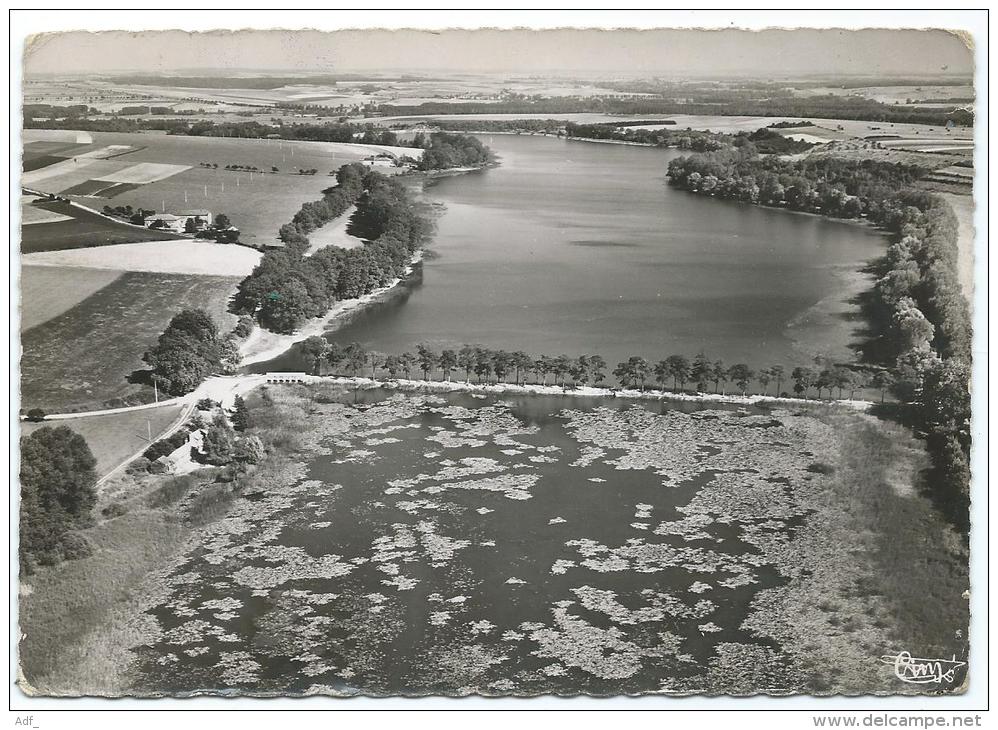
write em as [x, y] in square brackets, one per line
[202, 218]
[166, 221]
[178, 222]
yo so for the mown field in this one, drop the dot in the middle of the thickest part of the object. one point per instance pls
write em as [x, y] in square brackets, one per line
[176, 257]
[48, 291]
[84, 358]
[83, 229]
[115, 437]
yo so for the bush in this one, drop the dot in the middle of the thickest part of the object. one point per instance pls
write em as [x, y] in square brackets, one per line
[76, 546]
[206, 404]
[35, 415]
[115, 509]
[166, 446]
[243, 327]
[172, 491]
[821, 468]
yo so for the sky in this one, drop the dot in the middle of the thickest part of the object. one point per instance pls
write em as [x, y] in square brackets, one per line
[679, 53]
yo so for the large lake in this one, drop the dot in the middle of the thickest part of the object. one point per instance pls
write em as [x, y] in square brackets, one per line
[575, 247]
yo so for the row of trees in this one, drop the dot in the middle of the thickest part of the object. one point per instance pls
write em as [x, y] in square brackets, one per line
[489, 365]
[918, 309]
[288, 287]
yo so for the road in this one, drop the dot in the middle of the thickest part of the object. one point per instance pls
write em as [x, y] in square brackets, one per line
[222, 389]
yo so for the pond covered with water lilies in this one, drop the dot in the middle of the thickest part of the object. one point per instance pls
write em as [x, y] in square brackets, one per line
[499, 545]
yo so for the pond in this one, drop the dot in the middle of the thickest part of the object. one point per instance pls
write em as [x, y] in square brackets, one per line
[461, 543]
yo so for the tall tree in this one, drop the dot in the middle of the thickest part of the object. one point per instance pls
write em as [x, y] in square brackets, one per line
[313, 350]
[740, 375]
[718, 375]
[241, 419]
[427, 360]
[778, 374]
[702, 372]
[447, 363]
[466, 359]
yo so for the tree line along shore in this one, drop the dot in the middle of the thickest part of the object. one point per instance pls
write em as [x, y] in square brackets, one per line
[919, 318]
[496, 366]
[289, 287]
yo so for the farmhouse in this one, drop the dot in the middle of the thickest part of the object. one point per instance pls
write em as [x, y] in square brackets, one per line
[166, 221]
[202, 218]
[178, 223]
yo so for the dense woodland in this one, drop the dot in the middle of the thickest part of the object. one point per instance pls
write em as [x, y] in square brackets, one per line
[921, 322]
[57, 496]
[287, 288]
[764, 141]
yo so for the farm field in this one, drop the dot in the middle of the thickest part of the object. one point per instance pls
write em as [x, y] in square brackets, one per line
[115, 437]
[48, 291]
[177, 257]
[83, 358]
[258, 204]
[828, 128]
[963, 207]
[81, 229]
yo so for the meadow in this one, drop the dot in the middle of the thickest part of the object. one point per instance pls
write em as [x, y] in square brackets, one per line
[115, 437]
[176, 257]
[90, 357]
[48, 291]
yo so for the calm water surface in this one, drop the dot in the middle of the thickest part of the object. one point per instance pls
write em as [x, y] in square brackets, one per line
[572, 247]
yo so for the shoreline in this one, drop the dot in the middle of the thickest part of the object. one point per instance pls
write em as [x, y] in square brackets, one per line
[459, 386]
[262, 345]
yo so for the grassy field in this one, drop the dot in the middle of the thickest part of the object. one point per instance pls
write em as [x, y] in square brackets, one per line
[48, 291]
[963, 206]
[113, 438]
[335, 233]
[83, 358]
[177, 257]
[84, 229]
[257, 205]
[64, 609]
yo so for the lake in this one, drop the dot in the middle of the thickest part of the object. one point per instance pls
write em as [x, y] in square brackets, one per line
[448, 544]
[575, 247]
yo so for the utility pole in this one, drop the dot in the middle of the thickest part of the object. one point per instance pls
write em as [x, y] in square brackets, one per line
[155, 386]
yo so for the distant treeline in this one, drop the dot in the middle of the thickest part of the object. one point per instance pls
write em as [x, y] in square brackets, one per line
[918, 308]
[764, 141]
[442, 150]
[725, 103]
[243, 82]
[287, 288]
